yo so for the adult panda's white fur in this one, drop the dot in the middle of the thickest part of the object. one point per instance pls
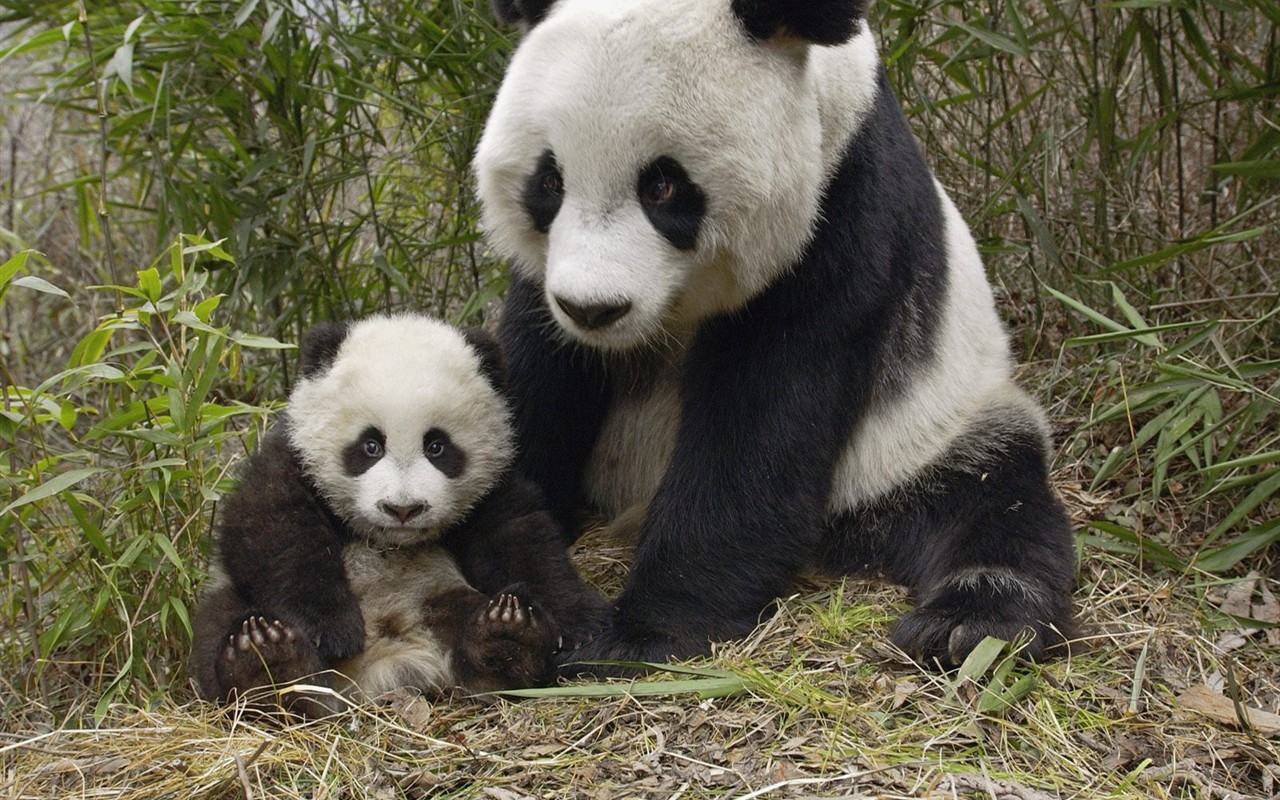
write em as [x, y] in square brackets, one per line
[378, 538]
[763, 201]
[728, 251]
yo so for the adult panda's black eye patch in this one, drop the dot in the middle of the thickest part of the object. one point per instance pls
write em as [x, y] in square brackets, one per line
[364, 451]
[544, 192]
[443, 453]
[674, 204]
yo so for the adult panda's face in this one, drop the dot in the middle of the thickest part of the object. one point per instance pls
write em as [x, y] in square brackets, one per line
[399, 428]
[651, 163]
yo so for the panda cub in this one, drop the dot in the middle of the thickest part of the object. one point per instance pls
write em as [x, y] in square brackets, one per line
[379, 531]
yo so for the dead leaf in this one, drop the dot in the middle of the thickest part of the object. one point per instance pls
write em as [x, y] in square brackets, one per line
[412, 709]
[88, 766]
[1218, 707]
[498, 793]
[1237, 602]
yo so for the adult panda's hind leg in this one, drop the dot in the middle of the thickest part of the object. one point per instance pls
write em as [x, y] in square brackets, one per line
[985, 548]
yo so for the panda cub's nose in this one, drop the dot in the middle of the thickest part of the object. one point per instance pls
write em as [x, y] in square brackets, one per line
[593, 316]
[402, 513]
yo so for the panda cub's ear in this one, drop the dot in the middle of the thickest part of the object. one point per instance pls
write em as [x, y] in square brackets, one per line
[320, 345]
[815, 21]
[492, 363]
[526, 13]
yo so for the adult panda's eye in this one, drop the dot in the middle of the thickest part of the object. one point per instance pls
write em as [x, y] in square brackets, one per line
[658, 189]
[435, 448]
[674, 204]
[373, 448]
[552, 182]
[544, 192]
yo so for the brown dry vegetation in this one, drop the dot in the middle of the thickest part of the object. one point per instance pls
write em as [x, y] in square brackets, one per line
[813, 704]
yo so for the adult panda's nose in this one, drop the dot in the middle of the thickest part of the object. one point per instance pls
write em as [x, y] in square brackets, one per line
[593, 316]
[402, 513]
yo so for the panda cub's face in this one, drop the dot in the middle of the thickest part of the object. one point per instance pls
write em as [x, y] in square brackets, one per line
[651, 164]
[399, 428]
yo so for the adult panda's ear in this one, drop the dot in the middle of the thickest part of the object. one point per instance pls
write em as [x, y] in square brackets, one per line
[320, 345]
[493, 365]
[814, 21]
[525, 13]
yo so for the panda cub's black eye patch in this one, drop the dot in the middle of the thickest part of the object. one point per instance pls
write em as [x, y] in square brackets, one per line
[544, 192]
[443, 453]
[365, 451]
[674, 204]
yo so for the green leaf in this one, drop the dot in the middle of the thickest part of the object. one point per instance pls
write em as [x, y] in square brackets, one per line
[1000, 697]
[149, 284]
[214, 249]
[980, 659]
[39, 285]
[262, 342]
[191, 319]
[993, 39]
[1223, 558]
[1261, 493]
[1269, 457]
[1096, 316]
[121, 65]
[204, 309]
[1261, 168]
[16, 263]
[1129, 542]
[52, 487]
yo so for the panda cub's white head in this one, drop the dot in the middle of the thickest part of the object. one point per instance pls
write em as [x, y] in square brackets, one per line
[655, 162]
[399, 424]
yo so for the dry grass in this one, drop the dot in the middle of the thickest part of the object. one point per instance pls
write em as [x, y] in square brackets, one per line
[825, 709]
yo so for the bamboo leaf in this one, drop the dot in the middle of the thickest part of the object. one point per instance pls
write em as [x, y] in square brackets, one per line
[39, 285]
[52, 487]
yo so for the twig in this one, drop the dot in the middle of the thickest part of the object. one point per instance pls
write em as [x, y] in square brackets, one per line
[1186, 770]
[997, 789]
[100, 93]
[20, 546]
[242, 766]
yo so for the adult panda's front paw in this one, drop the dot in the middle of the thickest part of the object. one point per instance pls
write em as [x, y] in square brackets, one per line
[955, 616]
[618, 645]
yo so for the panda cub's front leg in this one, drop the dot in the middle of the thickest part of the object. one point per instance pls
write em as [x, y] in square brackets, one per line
[498, 642]
[238, 652]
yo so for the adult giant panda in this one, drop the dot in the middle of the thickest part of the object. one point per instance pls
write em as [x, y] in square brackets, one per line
[741, 303]
[380, 534]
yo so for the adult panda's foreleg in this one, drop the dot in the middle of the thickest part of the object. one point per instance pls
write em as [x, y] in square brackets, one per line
[739, 510]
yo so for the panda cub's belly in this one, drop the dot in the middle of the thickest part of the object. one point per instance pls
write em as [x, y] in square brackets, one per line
[394, 587]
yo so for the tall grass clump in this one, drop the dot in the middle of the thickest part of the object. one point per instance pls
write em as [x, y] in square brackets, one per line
[325, 143]
[324, 146]
[110, 469]
[1120, 164]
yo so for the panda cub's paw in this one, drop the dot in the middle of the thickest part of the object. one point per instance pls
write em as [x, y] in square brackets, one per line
[508, 645]
[264, 653]
[957, 615]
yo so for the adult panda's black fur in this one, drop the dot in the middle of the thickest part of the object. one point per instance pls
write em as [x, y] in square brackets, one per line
[742, 305]
[380, 532]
